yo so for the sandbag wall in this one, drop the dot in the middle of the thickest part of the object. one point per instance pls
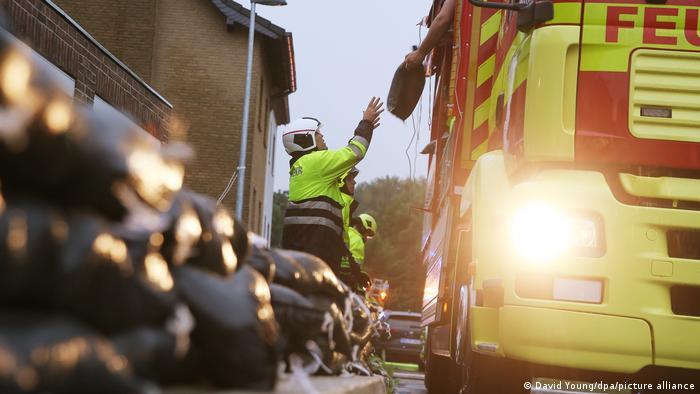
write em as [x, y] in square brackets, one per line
[113, 278]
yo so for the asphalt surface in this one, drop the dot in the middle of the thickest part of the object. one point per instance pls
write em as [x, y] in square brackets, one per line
[409, 382]
[289, 384]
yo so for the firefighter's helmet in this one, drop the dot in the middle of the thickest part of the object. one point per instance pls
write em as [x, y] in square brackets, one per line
[351, 172]
[369, 225]
[300, 135]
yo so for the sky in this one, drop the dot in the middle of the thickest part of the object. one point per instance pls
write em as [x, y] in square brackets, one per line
[346, 52]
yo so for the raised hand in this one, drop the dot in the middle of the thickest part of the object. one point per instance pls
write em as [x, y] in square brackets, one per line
[374, 109]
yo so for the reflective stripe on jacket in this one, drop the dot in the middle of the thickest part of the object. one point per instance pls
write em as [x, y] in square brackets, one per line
[314, 219]
[317, 173]
[321, 211]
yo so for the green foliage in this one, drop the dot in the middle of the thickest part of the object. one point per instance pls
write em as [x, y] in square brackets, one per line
[394, 254]
[279, 205]
[378, 367]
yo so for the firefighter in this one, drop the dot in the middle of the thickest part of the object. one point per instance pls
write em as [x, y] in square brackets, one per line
[313, 221]
[363, 227]
[438, 28]
[347, 193]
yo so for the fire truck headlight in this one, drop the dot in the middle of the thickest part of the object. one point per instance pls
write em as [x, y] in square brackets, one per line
[541, 232]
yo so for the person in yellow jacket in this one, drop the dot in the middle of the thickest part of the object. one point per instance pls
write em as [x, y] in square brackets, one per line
[313, 221]
[347, 193]
[349, 269]
[363, 227]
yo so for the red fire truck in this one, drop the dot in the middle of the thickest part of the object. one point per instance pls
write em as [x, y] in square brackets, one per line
[562, 228]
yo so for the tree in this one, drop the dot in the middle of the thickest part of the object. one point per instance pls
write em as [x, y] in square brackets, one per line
[279, 205]
[394, 254]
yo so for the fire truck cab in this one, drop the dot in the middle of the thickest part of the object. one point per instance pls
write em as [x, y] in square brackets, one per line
[562, 227]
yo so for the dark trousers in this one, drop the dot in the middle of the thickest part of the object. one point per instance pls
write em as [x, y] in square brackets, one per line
[320, 241]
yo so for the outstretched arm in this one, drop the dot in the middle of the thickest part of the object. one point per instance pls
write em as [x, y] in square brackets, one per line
[341, 160]
[363, 133]
[440, 26]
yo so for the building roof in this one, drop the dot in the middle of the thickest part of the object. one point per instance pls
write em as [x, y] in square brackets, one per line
[236, 13]
[104, 50]
[279, 47]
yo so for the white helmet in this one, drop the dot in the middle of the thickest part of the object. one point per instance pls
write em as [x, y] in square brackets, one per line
[300, 135]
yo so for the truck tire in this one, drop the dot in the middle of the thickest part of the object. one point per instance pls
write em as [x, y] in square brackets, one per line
[478, 373]
[477, 377]
[441, 376]
[441, 373]
[484, 374]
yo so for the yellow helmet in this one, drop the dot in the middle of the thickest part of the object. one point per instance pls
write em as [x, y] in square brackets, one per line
[368, 224]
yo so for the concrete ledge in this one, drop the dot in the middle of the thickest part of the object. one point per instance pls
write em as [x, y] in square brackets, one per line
[323, 384]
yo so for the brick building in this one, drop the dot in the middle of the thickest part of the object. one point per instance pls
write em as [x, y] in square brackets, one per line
[86, 70]
[195, 51]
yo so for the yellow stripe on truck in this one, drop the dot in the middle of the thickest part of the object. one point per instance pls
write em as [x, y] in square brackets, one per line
[485, 70]
[481, 114]
[490, 27]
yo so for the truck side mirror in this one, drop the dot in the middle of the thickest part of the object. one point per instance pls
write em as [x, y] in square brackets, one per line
[530, 13]
[533, 14]
[499, 6]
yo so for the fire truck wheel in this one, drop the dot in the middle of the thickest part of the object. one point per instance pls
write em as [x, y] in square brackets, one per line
[484, 374]
[441, 373]
[477, 377]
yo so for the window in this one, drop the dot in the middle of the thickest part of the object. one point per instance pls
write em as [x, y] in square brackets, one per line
[271, 140]
[254, 208]
[261, 102]
[265, 120]
[263, 110]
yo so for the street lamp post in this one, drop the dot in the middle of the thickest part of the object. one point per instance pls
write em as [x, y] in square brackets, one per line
[246, 104]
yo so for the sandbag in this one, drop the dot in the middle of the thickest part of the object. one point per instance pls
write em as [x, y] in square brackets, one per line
[152, 352]
[57, 355]
[406, 90]
[106, 285]
[73, 264]
[202, 234]
[235, 330]
[299, 319]
[340, 334]
[126, 166]
[71, 155]
[260, 260]
[306, 274]
[363, 325]
[240, 241]
[30, 233]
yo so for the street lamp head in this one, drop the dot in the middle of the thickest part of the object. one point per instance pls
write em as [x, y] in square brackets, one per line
[269, 2]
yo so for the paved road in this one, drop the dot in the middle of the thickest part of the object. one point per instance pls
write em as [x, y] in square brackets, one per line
[288, 384]
[410, 382]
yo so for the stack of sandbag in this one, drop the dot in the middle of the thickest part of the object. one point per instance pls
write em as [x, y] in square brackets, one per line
[112, 278]
[321, 320]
